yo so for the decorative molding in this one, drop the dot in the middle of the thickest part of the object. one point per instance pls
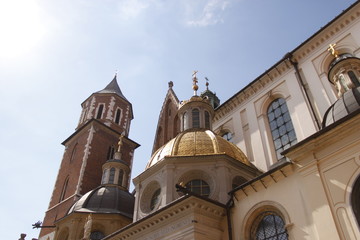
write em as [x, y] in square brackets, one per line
[319, 39]
[187, 211]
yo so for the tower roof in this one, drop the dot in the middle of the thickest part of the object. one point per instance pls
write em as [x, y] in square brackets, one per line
[113, 87]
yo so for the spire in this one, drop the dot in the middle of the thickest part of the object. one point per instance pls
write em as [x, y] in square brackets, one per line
[113, 87]
[214, 100]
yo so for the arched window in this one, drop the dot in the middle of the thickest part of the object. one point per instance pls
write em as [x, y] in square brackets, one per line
[207, 120]
[100, 111]
[112, 175]
[268, 225]
[121, 176]
[195, 118]
[199, 186]
[117, 116]
[355, 202]
[63, 191]
[96, 235]
[282, 130]
[184, 121]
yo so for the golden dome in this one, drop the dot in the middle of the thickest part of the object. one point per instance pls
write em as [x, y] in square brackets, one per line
[198, 142]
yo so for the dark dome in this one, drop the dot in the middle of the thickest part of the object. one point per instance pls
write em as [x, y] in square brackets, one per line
[349, 102]
[341, 62]
[339, 59]
[105, 199]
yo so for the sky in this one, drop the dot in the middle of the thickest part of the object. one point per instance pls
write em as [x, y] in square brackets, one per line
[54, 54]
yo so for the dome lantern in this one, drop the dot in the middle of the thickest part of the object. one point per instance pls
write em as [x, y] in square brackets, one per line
[197, 112]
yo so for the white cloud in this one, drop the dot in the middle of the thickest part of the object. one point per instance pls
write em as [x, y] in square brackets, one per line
[130, 9]
[210, 12]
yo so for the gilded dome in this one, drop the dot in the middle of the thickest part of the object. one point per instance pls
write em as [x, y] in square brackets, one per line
[198, 142]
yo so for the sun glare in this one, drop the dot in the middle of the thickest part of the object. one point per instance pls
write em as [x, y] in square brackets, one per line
[21, 27]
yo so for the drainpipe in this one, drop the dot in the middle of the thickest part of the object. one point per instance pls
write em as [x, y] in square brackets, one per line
[229, 205]
[298, 76]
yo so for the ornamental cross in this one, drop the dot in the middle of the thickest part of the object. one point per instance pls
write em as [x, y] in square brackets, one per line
[332, 50]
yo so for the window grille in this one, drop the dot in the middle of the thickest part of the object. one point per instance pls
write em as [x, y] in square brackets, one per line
[281, 127]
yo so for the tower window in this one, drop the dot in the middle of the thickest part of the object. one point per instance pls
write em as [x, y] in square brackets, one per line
[185, 122]
[112, 175]
[195, 118]
[63, 191]
[111, 151]
[199, 186]
[73, 152]
[207, 120]
[282, 130]
[121, 176]
[100, 111]
[269, 225]
[117, 116]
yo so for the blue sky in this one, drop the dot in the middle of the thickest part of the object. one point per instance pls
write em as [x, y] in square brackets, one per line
[54, 54]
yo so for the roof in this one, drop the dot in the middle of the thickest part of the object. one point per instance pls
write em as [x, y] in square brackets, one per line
[113, 87]
[198, 142]
[348, 103]
[105, 199]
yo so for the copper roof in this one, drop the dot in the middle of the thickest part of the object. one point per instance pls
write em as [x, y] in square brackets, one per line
[105, 199]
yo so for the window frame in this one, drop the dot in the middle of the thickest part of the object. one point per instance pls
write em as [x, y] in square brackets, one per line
[100, 111]
[258, 225]
[195, 118]
[275, 125]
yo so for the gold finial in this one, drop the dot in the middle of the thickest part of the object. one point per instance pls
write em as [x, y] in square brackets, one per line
[332, 50]
[207, 83]
[195, 81]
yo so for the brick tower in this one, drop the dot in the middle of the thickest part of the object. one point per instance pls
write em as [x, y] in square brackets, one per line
[105, 116]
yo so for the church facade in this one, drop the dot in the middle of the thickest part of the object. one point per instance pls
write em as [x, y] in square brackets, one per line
[278, 160]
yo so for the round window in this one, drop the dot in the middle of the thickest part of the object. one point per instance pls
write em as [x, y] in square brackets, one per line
[155, 199]
[150, 197]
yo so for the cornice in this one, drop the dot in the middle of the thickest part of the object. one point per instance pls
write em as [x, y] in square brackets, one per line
[323, 36]
[300, 53]
[244, 95]
[187, 208]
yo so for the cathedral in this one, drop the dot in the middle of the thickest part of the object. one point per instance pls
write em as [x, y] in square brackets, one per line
[280, 159]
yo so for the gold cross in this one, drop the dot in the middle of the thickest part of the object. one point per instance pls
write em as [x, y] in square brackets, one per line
[332, 50]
